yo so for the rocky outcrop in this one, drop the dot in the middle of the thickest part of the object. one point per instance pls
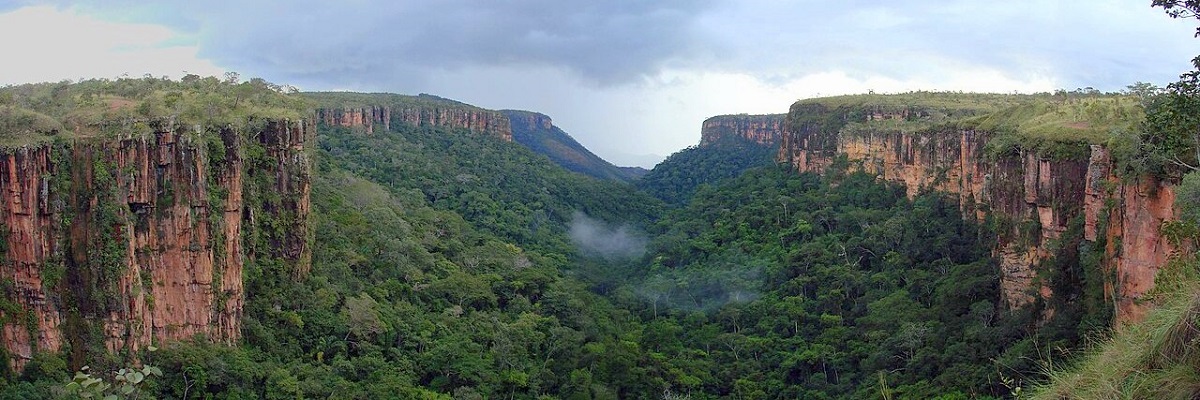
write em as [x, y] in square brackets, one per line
[1037, 198]
[529, 121]
[761, 129]
[366, 117]
[472, 119]
[120, 243]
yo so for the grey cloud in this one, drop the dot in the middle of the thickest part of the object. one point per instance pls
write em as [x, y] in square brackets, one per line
[605, 42]
[1086, 43]
[365, 44]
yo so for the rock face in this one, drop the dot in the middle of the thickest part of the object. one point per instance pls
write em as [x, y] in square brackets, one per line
[1037, 198]
[761, 129]
[472, 119]
[120, 243]
[366, 117]
[529, 120]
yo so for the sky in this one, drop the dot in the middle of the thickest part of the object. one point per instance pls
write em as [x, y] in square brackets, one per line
[630, 79]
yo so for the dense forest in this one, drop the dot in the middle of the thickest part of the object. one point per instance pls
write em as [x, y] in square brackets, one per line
[449, 264]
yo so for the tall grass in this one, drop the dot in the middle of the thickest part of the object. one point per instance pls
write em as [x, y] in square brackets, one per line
[1158, 358]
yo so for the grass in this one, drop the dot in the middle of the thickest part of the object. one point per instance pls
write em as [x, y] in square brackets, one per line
[22, 127]
[1058, 126]
[354, 100]
[976, 102]
[1158, 358]
[1090, 120]
[35, 113]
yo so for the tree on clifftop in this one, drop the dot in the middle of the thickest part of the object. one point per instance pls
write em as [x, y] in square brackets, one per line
[1169, 144]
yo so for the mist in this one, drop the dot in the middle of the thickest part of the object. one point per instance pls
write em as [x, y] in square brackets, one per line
[599, 239]
[734, 280]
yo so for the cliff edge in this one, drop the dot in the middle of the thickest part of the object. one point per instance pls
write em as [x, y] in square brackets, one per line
[1034, 169]
[124, 227]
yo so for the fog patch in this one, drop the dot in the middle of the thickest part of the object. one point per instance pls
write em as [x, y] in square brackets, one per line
[599, 239]
[735, 278]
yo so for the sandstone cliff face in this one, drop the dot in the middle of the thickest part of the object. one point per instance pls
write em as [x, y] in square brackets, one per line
[474, 120]
[366, 117]
[1039, 197]
[118, 244]
[761, 129]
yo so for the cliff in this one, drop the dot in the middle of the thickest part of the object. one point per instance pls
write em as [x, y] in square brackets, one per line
[369, 110]
[762, 129]
[120, 243]
[144, 211]
[537, 132]
[1006, 172]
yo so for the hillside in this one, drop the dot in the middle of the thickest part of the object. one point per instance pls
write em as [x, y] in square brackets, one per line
[538, 133]
[367, 245]
[678, 177]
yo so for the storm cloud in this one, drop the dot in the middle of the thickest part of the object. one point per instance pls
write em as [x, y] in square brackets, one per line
[322, 42]
[636, 77]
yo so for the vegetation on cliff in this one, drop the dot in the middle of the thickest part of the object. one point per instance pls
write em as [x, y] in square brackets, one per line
[449, 264]
[1057, 125]
[1158, 357]
[103, 106]
[360, 100]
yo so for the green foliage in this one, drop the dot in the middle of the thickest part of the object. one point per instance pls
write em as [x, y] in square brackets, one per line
[19, 127]
[814, 288]
[122, 106]
[1057, 125]
[127, 383]
[1187, 198]
[342, 100]
[680, 175]
[443, 267]
[407, 298]
[1168, 144]
[497, 186]
[1085, 120]
[1152, 359]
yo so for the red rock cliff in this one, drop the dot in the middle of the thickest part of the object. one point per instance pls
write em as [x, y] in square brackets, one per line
[761, 129]
[124, 243]
[1039, 196]
[472, 119]
[366, 117]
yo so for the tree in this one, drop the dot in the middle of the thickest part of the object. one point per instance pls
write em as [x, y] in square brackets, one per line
[362, 316]
[1170, 140]
[1180, 9]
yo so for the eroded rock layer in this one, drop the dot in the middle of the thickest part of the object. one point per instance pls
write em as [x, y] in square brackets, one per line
[122, 243]
[761, 129]
[1039, 197]
[472, 119]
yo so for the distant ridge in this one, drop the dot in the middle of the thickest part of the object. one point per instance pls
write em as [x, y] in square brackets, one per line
[537, 132]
